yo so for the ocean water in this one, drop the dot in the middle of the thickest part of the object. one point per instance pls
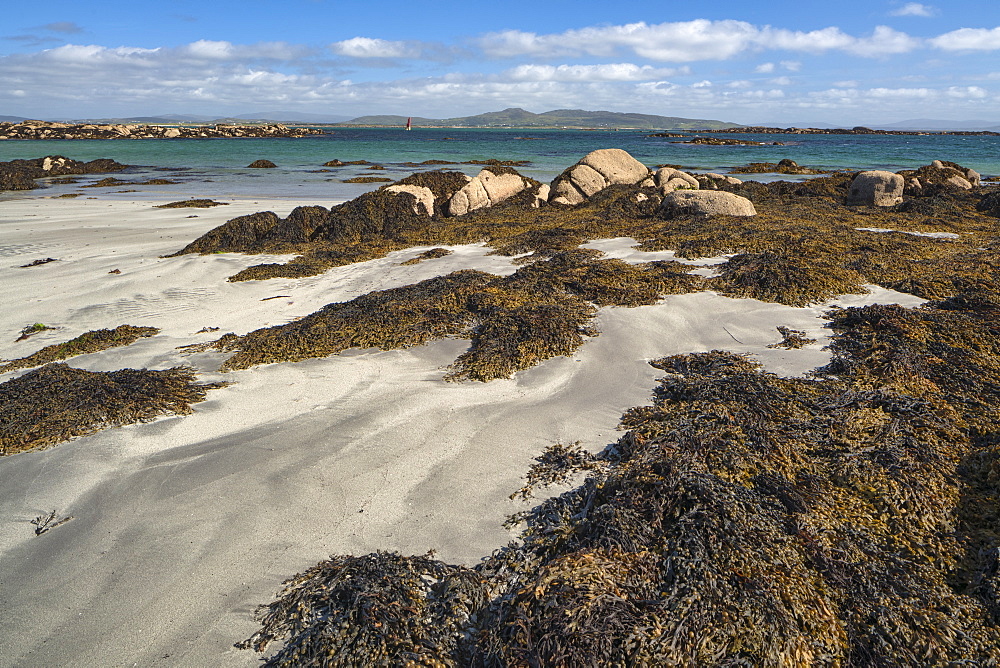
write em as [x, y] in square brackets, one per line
[218, 167]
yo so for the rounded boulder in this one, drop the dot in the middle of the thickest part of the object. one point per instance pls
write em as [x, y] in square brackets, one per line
[704, 202]
[876, 188]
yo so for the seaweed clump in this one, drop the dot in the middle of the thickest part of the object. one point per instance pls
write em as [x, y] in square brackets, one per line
[785, 166]
[190, 203]
[89, 342]
[364, 611]
[541, 311]
[21, 174]
[745, 519]
[431, 254]
[57, 402]
[796, 280]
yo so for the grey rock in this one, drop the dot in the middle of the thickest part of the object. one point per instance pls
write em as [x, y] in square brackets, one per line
[876, 188]
[706, 202]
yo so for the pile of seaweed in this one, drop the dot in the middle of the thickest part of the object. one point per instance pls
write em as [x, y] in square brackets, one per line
[88, 342]
[21, 174]
[57, 402]
[744, 519]
[541, 311]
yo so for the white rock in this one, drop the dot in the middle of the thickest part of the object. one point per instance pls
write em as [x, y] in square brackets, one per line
[423, 197]
[595, 172]
[669, 179]
[484, 190]
[959, 182]
[541, 195]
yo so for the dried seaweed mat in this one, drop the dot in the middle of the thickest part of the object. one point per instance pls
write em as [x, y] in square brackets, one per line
[57, 402]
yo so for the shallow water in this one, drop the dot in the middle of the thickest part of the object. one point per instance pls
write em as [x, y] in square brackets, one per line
[217, 167]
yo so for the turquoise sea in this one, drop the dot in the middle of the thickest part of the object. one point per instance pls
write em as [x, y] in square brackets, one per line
[217, 167]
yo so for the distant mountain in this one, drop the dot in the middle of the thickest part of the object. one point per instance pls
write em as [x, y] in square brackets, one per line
[559, 118]
[391, 120]
[12, 119]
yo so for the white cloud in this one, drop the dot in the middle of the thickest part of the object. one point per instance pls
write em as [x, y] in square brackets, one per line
[781, 81]
[849, 83]
[884, 41]
[968, 39]
[689, 41]
[209, 49]
[791, 65]
[368, 47]
[764, 68]
[967, 92]
[813, 41]
[609, 72]
[914, 9]
[685, 41]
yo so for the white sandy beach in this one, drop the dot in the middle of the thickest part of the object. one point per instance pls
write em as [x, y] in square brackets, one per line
[182, 526]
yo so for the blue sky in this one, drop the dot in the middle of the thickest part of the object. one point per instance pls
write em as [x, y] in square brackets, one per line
[782, 61]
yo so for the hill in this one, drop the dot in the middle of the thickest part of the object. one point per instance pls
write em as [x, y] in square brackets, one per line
[559, 118]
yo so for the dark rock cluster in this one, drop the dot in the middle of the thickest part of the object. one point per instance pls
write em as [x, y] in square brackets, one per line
[21, 174]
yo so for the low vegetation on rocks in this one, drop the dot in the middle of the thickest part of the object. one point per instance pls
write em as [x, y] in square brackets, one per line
[21, 174]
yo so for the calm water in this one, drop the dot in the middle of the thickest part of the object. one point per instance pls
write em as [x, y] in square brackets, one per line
[217, 167]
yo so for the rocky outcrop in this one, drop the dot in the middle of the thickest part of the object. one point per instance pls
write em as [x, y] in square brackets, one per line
[704, 202]
[939, 176]
[859, 130]
[238, 235]
[875, 188]
[21, 174]
[668, 179]
[784, 166]
[595, 172]
[262, 164]
[488, 188]
[47, 130]
[713, 181]
[423, 198]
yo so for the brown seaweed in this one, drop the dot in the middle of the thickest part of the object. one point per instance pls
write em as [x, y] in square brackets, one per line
[89, 342]
[57, 402]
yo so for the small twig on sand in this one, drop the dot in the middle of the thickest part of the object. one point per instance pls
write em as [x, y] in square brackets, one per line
[44, 523]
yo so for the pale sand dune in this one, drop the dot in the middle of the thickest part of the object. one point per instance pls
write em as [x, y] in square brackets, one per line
[182, 526]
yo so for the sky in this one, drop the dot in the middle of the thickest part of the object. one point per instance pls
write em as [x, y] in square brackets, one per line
[850, 62]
